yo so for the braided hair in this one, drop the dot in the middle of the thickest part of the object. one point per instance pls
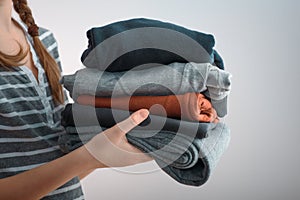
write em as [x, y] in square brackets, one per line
[48, 62]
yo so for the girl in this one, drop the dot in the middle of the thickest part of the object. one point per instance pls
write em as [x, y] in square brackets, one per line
[31, 99]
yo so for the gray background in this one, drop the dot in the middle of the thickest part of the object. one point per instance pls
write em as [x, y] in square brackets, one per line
[259, 41]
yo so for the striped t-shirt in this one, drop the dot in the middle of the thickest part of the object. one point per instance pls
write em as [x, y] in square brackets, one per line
[30, 120]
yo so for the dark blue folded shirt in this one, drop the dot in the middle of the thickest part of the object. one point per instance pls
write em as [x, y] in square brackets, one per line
[139, 43]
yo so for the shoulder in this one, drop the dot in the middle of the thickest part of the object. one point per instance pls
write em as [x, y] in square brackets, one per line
[46, 36]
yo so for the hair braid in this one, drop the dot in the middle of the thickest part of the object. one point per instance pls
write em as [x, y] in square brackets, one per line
[50, 65]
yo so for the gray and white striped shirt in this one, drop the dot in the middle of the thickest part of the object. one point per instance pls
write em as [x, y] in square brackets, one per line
[30, 120]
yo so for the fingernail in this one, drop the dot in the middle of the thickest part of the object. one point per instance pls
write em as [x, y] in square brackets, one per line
[144, 113]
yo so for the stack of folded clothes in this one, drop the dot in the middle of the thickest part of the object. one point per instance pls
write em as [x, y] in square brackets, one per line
[142, 63]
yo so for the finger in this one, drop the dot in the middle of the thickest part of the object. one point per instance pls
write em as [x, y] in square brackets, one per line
[135, 119]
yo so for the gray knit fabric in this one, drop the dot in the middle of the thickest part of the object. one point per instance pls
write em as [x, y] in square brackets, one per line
[187, 160]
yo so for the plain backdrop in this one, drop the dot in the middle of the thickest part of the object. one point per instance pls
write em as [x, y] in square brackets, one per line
[259, 41]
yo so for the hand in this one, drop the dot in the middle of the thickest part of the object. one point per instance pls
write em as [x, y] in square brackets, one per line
[110, 148]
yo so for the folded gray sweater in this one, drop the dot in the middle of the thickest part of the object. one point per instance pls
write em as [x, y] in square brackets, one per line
[187, 160]
[176, 78]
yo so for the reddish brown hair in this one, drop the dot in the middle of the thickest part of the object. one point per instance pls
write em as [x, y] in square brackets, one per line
[48, 62]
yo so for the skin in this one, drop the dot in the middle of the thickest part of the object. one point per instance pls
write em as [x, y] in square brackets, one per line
[108, 149]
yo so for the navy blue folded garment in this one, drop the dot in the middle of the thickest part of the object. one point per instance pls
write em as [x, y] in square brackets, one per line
[85, 116]
[187, 160]
[218, 60]
[139, 43]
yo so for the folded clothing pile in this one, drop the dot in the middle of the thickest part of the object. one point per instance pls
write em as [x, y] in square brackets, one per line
[142, 63]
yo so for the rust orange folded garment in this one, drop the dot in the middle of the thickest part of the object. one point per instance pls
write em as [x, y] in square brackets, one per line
[189, 106]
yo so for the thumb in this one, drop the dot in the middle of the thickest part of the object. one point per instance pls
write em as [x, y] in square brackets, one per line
[135, 119]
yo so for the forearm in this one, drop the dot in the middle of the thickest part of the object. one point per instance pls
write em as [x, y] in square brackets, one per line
[85, 174]
[38, 182]
[111, 147]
